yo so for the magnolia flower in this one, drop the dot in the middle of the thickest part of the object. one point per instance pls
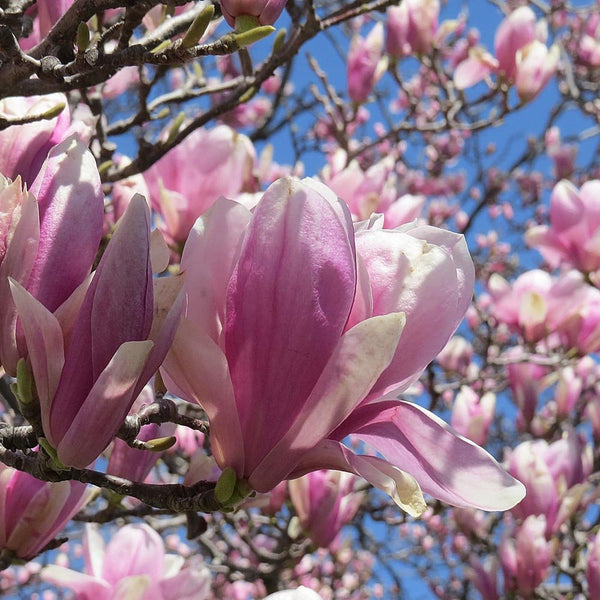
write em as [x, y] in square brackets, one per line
[573, 236]
[48, 236]
[265, 11]
[115, 342]
[472, 415]
[325, 501]
[366, 64]
[133, 566]
[411, 27]
[522, 57]
[33, 512]
[181, 189]
[297, 327]
[23, 148]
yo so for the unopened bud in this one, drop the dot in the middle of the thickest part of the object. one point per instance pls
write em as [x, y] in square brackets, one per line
[160, 444]
[53, 112]
[278, 41]
[83, 37]
[25, 388]
[162, 46]
[175, 127]
[198, 27]
[225, 485]
[253, 35]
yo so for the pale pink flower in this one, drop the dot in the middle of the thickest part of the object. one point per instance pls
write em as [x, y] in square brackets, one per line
[592, 571]
[573, 236]
[266, 11]
[472, 415]
[33, 512]
[324, 502]
[411, 27]
[297, 327]
[181, 189]
[133, 566]
[60, 217]
[366, 64]
[525, 560]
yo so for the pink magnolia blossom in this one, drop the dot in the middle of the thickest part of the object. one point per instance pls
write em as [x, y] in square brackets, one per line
[525, 560]
[524, 305]
[472, 415]
[548, 472]
[536, 66]
[411, 27]
[526, 380]
[114, 344]
[371, 191]
[133, 566]
[60, 217]
[456, 355]
[181, 189]
[33, 512]
[325, 501]
[588, 51]
[516, 31]
[521, 58]
[297, 327]
[266, 11]
[484, 577]
[573, 236]
[366, 64]
[562, 311]
[23, 148]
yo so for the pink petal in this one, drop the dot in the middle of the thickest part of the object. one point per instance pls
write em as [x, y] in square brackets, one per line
[45, 344]
[134, 550]
[196, 369]
[80, 583]
[287, 305]
[208, 261]
[400, 486]
[103, 410]
[446, 465]
[18, 262]
[71, 204]
[355, 364]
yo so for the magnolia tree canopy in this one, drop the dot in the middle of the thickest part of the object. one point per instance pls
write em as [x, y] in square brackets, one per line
[238, 242]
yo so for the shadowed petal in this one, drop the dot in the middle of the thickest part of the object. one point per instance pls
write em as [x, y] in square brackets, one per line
[446, 465]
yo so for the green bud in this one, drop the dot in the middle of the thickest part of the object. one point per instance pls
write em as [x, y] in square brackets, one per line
[198, 27]
[160, 444]
[105, 166]
[253, 35]
[53, 112]
[225, 485]
[162, 113]
[162, 46]
[248, 95]
[175, 127]
[25, 383]
[278, 41]
[83, 37]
